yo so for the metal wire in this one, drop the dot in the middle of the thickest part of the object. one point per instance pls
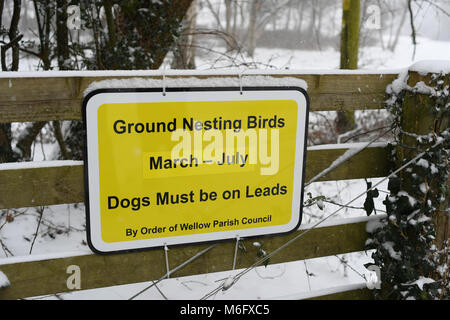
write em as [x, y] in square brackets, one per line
[240, 81]
[166, 255]
[164, 81]
[327, 170]
[235, 251]
[268, 256]
[174, 270]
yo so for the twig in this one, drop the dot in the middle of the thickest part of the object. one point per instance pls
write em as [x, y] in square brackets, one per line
[193, 281]
[438, 7]
[159, 290]
[5, 47]
[41, 213]
[349, 207]
[364, 133]
[271, 277]
[307, 275]
[5, 248]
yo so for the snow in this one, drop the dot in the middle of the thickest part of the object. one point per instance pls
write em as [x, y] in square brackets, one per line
[45, 256]
[185, 73]
[423, 67]
[322, 292]
[423, 187]
[372, 59]
[227, 283]
[431, 66]
[197, 82]
[353, 145]
[420, 282]
[433, 169]
[412, 201]
[389, 246]
[372, 281]
[373, 225]
[423, 163]
[4, 281]
[62, 232]
[39, 164]
[421, 87]
[342, 221]
[398, 84]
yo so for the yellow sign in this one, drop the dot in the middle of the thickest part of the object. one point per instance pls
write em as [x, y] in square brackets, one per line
[191, 167]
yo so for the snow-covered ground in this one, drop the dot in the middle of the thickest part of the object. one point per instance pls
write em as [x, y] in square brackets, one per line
[370, 57]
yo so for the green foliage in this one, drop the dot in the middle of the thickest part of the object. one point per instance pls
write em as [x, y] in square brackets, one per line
[411, 265]
[369, 204]
[135, 35]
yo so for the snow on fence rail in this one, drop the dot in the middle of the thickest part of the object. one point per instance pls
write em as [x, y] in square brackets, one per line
[37, 97]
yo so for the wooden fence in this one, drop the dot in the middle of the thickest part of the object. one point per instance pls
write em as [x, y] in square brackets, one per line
[59, 98]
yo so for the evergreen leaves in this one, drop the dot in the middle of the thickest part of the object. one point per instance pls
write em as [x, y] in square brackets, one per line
[412, 267]
[369, 204]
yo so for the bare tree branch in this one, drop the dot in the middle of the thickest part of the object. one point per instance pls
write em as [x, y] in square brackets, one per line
[413, 28]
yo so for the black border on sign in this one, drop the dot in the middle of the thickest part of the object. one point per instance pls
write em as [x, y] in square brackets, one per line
[184, 89]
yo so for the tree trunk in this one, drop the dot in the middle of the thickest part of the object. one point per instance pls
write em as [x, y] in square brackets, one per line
[2, 5]
[345, 119]
[62, 35]
[29, 134]
[393, 45]
[228, 12]
[184, 52]
[112, 34]
[230, 25]
[60, 139]
[6, 152]
[300, 10]
[235, 15]
[350, 34]
[312, 22]
[254, 10]
[13, 33]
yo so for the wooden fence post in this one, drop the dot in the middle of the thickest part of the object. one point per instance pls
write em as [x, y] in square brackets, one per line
[418, 118]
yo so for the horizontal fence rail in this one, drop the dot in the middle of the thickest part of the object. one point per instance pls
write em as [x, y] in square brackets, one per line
[34, 186]
[59, 98]
[47, 276]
